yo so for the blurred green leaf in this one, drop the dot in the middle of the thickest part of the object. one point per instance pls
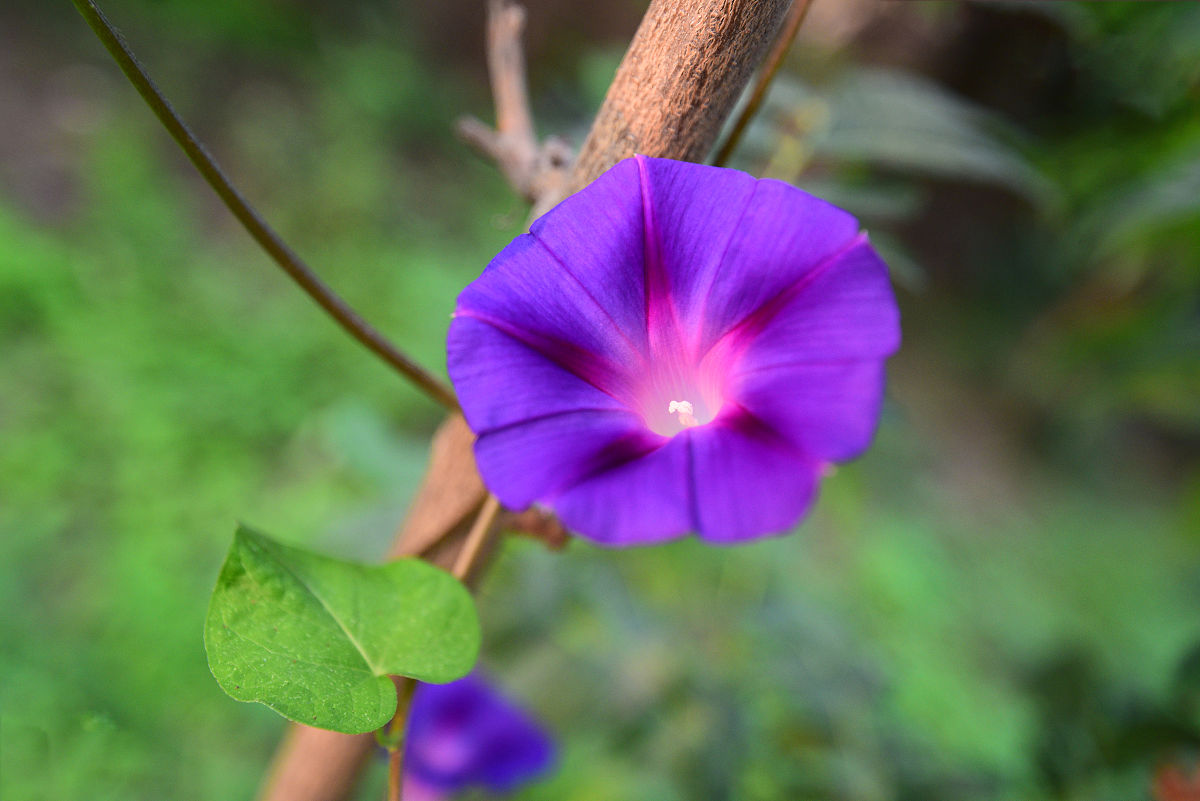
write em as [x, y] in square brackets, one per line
[1146, 52]
[876, 199]
[1170, 196]
[908, 123]
[316, 638]
[905, 270]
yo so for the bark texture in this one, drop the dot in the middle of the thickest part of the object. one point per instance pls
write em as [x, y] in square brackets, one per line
[681, 77]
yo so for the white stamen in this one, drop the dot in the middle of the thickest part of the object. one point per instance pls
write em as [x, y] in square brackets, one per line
[686, 412]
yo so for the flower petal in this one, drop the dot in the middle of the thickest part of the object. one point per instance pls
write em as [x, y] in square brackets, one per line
[597, 237]
[828, 410]
[644, 501]
[466, 733]
[844, 311]
[416, 789]
[518, 752]
[501, 381]
[747, 481]
[536, 459]
[691, 217]
[529, 294]
[730, 243]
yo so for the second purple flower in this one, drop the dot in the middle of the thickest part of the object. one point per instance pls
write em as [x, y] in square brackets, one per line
[675, 348]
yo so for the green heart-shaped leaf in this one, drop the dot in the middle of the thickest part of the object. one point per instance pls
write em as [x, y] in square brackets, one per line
[316, 638]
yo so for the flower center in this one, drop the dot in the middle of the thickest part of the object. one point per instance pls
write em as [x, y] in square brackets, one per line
[675, 398]
[686, 412]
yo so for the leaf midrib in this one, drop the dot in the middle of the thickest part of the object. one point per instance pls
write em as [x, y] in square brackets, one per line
[324, 605]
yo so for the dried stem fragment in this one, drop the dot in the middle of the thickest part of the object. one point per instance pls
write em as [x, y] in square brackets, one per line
[533, 170]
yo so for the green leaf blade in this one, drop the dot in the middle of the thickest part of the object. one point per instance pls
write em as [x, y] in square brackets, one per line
[316, 638]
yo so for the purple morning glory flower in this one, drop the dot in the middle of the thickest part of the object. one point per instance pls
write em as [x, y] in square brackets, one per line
[675, 348]
[465, 734]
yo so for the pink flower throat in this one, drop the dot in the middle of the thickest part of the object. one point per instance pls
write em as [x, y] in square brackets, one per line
[681, 393]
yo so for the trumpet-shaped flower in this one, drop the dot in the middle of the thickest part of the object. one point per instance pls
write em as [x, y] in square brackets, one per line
[465, 734]
[676, 348]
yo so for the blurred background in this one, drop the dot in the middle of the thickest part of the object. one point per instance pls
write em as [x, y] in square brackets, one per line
[998, 601]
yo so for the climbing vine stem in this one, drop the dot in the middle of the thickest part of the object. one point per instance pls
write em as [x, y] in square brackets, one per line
[266, 237]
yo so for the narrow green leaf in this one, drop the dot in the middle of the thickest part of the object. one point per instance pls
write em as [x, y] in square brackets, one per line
[316, 638]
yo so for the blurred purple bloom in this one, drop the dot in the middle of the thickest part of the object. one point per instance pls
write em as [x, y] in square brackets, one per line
[675, 348]
[465, 734]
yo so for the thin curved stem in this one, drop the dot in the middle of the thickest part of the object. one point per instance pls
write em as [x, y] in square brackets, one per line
[395, 734]
[476, 537]
[266, 237]
[771, 66]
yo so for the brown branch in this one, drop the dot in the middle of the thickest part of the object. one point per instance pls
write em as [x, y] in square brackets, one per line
[688, 62]
[255, 225]
[450, 494]
[783, 43]
[533, 170]
[506, 65]
[316, 765]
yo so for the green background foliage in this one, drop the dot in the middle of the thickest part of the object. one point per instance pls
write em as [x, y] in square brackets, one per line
[998, 601]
